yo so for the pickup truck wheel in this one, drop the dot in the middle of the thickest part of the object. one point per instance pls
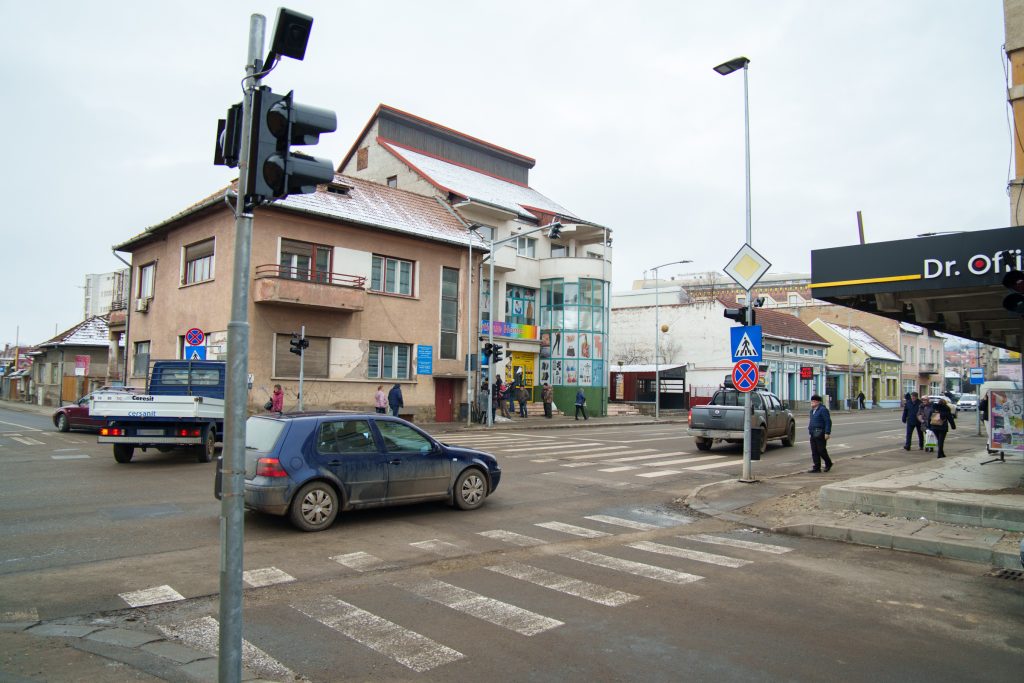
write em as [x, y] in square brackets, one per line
[62, 423]
[205, 451]
[790, 438]
[763, 446]
[702, 443]
[123, 452]
[314, 507]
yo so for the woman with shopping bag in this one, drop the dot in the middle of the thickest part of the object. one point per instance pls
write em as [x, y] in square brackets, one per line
[938, 420]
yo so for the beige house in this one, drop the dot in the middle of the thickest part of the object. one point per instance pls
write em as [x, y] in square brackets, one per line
[378, 277]
[72, 363]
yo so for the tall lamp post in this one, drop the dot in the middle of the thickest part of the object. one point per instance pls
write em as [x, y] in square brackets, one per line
[725, 69]
[555, 232]
[657, 332]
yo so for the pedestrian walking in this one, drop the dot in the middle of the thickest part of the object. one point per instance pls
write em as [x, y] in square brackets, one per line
[581, 404]
[501, 396]
[380, 400]
[939, 419]
[820, 429]
[523, 395]
[277, 400]
[860, 400]
[511, 392]
[910, 418]
[547, 395]
[395, 400]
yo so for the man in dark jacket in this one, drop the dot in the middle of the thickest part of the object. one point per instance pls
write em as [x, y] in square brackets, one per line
[910, 410]
[820, 429]
[395, 399]
[547, 394]
[939, 418]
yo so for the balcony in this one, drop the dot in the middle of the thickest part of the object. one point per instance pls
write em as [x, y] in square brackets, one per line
[575, 267]
[276, 284]
[927, 368]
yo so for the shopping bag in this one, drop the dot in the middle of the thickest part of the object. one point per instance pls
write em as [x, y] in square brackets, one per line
[930, 440]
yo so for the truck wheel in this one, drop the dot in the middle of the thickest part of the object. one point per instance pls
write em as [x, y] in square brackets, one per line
[763, 446]
[314, 507]
[790, 438]
[205, 451]
[702, 443]
[123, 452]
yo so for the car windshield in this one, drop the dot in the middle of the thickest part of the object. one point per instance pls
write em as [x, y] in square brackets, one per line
[261, 433]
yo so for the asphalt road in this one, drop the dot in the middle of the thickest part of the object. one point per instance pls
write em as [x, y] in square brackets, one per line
[579, 567]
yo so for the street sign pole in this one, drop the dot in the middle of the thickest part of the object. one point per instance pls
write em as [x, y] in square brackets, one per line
[302, 366]
[748, 407]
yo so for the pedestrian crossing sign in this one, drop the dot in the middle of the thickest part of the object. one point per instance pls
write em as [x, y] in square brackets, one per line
[745, 343]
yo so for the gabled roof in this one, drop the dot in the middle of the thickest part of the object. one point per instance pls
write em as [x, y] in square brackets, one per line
[871, 347]
[476, 185]
[780, 325]
[90, 332]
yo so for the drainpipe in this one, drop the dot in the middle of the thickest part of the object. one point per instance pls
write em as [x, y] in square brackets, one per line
[127, 316]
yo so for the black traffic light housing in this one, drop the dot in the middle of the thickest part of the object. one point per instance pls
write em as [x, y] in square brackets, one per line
[298, 344]
[488, 350]
[496, 353]
[229, 138]
[1014, 302]
[291, 34]
[737, 314]
[555, 232]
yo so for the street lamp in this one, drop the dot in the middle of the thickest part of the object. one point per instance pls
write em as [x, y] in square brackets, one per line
[555, 232]
[725, 69]
[657, 330]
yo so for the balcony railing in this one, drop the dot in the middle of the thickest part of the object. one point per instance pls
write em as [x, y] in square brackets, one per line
[927, 368]
[277, 284]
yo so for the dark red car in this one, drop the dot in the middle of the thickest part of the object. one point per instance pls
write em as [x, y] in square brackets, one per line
[76, 415]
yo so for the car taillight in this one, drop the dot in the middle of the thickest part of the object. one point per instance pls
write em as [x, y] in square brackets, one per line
[689, 418]
[111, 431]
[269, 467]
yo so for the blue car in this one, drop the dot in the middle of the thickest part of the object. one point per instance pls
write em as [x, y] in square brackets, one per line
[310, 466]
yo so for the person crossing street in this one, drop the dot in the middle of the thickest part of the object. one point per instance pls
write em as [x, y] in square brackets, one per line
[820, 429]
[910, 418]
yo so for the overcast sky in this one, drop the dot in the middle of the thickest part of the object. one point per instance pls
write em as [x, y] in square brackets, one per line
[896, 109]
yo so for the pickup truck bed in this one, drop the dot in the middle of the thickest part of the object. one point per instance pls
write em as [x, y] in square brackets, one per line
[722, 420]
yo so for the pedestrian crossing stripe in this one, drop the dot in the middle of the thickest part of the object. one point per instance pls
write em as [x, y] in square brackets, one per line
[739, 543]
[572, 529]
[151, 596]
[361, 562]
[522, 621]
[619, 521]
[564, 584]
[268, 576]
[687, 554]
[439, 547]
[648, 571]
[204, 635]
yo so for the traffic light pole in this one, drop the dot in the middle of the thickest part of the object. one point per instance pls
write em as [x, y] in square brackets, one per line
[232, 515]
[748, 407]
[302, 362]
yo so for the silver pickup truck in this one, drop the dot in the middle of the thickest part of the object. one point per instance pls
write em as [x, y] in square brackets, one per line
[722, 419]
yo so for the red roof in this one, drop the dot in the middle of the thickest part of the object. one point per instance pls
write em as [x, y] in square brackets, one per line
[781, 325]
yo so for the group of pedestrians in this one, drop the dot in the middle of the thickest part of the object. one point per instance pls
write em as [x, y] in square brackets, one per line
[934, 416]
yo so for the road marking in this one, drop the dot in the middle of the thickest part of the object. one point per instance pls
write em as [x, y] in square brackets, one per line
[544, 460]
[64, 450]
[657, 438]
[27, 440]
[268, 576]
[24, 428]
[737, 543]
[361, 562]
[619, 451]
[697, 555]
[204, 634]
[30, 614]
[659, 473]
[572, 529]
[619, 521]
[439, 547]
[648, 571]
[522, 621]
[79, 456]
[151, 596]
[572, 446]
[578, 464]
[564, 584]
[666, 463]
[713, 465]
[619, 469]
[408, 648]
[648, 457]
[512, 537]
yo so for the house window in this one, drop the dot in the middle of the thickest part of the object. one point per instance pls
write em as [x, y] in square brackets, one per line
[520, 305]
[393, 181]
[388, 361]
[54, 373]
[198, 259]
[315, 358]
[391, 275]
[794, 298]
[140, 364]
[559, 250]
[526, 246]
[362, 158]
[449, 313]
[486, 232]
[147, 276]
[305, 261]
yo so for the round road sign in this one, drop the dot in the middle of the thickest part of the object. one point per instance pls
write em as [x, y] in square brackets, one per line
[194, 337]
[745, 375]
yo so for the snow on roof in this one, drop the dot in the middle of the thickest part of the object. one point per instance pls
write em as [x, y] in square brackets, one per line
[914, 329]
[90, 332]
[865, 342]
[644, 368]
[480, 186]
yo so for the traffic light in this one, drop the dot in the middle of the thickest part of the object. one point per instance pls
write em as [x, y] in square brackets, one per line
[737, 314]
[275, 171]
[488, 350]
[555, 232]
[496, 353]
[229, 138]
[298, 344]
[1014, 302]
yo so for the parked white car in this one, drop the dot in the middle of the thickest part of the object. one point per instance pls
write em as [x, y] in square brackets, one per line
[967, 402]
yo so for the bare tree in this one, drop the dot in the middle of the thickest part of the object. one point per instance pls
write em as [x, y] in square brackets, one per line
[670, 349]
[633, 353]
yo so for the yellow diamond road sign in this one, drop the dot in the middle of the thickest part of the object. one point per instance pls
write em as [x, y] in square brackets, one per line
[747, 267]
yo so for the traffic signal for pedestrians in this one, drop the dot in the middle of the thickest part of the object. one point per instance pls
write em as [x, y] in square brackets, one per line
[488, 350]
[298, 344]
[496, 353]
[275, 171]
[1014, 302]
[229, 138]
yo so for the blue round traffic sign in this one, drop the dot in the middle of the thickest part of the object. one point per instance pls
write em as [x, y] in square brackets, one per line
[194, 337]
[745, 375]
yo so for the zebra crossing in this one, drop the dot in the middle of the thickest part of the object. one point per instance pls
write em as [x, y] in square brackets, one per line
[624, 458]
[613, 581]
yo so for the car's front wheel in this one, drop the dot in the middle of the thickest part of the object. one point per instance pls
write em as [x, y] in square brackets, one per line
[470, 489]
[62, 423]
[315, 506]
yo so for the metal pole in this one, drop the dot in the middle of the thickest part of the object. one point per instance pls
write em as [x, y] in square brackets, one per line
[302, 363]
[748, 403]
[469, 336]
[490, 338]
[657, 354]
[232, 516]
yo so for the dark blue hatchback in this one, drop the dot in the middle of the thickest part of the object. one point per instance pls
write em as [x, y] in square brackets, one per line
[310, 466]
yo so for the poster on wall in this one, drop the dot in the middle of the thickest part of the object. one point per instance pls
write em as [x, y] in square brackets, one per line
[585, 346]
[1006, 421]
[545, 371]
[545, 345]
[585, 369]
[598, 346]
[570, 372]
[597, 375]
[570, 345]
[556, 372]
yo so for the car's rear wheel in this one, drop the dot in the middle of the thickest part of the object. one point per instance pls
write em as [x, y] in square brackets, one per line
[315, 506]
[205, 450]
[62, 423]
[123, 452]
[470, 489]
[703, 444]
[762, 446]
[790, 438]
